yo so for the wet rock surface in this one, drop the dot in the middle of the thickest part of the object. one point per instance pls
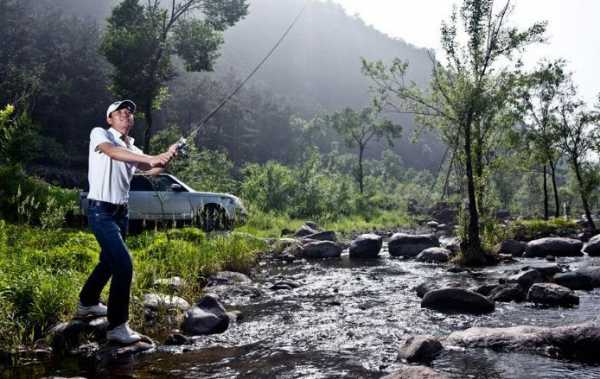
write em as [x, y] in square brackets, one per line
[457, 300]
[575, 341]
[366, 246]
[552, 295]
[208, 316]
[420, 349]
[409, 245]
[555, 246]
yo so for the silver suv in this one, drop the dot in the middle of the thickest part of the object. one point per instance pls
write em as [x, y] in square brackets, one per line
[164, 198]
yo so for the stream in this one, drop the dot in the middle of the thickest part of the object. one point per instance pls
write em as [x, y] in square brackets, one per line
[347, 318]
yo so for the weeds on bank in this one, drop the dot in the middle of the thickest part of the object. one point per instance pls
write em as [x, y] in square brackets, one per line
[42, 271]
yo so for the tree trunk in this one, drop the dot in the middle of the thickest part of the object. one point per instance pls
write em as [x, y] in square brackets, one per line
[545, 195]
[361, 150]
[555, 189]
[148, 128]
[584, 200]
[472, 248]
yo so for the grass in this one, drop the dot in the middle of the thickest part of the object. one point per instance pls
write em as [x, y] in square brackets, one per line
[42, 271]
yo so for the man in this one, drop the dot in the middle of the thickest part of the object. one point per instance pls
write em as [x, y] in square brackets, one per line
[113, 159]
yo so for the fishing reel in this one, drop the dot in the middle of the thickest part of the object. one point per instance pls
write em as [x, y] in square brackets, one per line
[182, 147]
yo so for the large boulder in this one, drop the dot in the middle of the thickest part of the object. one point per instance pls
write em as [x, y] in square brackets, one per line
[551, 294]
[366, 246]
[420, 349]
[511, 247]
[321, 249]
[592, 272]
[592, 248]
[574, 280]
[574, 341]
[434, 255]
[208, 316]
[409, 245]
[66, 337]
[555, 246]
[457, 300]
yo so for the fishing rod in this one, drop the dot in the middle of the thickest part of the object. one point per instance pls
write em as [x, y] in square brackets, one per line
[182, 142]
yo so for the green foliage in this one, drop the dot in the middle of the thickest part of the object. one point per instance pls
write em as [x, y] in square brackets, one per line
[141, 39]
[26, 199]
[42, 271]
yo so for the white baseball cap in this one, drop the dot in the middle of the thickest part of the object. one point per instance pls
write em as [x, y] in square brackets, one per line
[120, 105]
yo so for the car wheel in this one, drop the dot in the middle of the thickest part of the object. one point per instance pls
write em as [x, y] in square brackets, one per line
[209, 219]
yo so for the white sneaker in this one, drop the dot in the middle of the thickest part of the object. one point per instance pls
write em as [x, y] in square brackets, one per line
[123, 334]
[97, 310]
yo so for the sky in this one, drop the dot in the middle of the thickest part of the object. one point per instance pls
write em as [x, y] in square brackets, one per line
[573, 30]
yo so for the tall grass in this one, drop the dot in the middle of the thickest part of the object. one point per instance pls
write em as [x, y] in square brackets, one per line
[42, 271]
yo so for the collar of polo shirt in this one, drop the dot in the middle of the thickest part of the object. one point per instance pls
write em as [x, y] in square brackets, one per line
[118, 134]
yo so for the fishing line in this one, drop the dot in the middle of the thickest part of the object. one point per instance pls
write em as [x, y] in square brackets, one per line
[183, 141]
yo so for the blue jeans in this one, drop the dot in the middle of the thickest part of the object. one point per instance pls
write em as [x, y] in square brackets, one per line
[110, 228]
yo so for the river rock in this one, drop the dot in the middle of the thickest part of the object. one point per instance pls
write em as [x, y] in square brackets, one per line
[526, 278]
[420, 349]
[114, 352]
[513, 247]
[69, 336]
[452, 244]
[485, 289]
[457, 300]
[321, 249]
[304, 231]
[228, 278]
[408, 245]
[283, 243]
[507, 293]
[435, 255]
[178, 339]
[433, 224]
[366, 246]
[175, 283]
[155, 302]
[551, 294]
[592, 248]
[556, 246]
[592, 272]
[208, 316]
[415, 372]
[322, 236]
[574, 341]
[574, 280]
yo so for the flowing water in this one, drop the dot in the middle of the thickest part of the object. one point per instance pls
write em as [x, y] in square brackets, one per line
[347, 318]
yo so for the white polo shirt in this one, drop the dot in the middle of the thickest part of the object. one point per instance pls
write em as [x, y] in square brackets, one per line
[109, 179]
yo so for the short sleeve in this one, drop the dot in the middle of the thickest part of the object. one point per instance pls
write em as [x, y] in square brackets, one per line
[99, 136]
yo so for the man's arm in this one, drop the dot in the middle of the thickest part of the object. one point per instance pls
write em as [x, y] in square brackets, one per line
[144, 162]
[153, 171]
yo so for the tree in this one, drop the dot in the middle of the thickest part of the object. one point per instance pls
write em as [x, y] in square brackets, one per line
[141, 39]
[481, 57]
[539, 98]
[358, 129]
[575, 130]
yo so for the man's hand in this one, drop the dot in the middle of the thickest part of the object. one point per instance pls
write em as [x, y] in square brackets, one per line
[162, 160]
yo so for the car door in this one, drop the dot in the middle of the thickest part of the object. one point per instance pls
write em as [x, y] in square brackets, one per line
[142, 201]
[170, 203]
